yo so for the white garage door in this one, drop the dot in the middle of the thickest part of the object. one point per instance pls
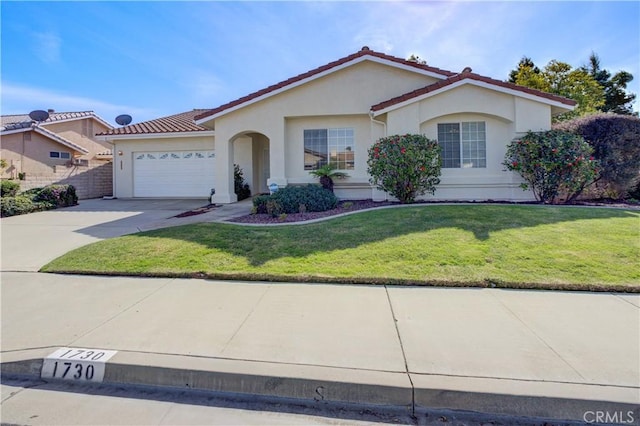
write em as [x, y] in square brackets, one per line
[173, 174]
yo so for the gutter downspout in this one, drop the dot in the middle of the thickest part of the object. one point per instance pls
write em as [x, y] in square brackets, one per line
[376, 195]
[384, 125]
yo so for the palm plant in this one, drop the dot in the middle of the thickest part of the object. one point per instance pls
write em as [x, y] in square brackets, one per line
[327, 174]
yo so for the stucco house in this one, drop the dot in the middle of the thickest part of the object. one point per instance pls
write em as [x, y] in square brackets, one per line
[61, 149]
[334, 113]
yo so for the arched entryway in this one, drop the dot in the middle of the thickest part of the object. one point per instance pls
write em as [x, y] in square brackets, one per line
[251, 153]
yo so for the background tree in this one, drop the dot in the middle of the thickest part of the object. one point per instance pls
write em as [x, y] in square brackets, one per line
[526, 71]
[561, 79]
[617, 100]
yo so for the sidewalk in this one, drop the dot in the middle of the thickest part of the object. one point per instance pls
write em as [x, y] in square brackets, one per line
[559, 355]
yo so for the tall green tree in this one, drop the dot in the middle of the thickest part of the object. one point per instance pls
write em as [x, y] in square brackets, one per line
[562, 79]
[526, 70]
[617, 99]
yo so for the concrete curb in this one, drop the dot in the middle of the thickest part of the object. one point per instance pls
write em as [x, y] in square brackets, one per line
[386, 391]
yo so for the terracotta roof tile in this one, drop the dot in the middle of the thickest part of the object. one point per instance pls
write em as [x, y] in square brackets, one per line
[20, 119]
[365, 51]
[464, 76]
[177, 123]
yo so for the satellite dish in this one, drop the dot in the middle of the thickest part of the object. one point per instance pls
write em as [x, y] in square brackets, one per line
[39, 115]
[123, 119]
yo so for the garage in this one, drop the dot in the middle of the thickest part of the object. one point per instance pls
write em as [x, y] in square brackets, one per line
[173, 174]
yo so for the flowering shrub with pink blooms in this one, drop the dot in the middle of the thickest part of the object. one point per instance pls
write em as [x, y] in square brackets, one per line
[556, 165]
[405, 166]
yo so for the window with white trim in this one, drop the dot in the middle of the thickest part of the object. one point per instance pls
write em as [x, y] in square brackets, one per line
[59, 154]
[463, 145]
[335, 146]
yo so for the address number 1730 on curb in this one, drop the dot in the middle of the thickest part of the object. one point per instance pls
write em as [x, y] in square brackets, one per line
[77, 364]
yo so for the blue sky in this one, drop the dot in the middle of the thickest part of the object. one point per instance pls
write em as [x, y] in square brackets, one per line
[151, 59]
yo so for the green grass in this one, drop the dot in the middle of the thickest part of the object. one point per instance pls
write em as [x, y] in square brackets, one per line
[477, 245]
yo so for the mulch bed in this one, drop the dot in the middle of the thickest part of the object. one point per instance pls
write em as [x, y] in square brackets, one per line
[355, 205]
[343, 207]
[197, 211]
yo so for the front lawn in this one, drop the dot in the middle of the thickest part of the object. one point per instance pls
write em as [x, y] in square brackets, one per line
[485, 245]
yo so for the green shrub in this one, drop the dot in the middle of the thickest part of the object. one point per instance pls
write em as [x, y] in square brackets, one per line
[634, 192]
[9, 188]
[290, 199]
[314, 197]
[241, 188]
[260, 203]
[39, 199]
[274, 208]
[405, 166]
[614, 139]
[20, 204]
[58, 195]
[554, 164]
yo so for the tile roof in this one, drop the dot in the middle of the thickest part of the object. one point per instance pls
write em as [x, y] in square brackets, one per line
[472, 76]
[365, 51]
[177, 123]
[17, 120]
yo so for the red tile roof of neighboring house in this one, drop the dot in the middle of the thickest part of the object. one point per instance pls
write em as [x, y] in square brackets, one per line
[177, 123]
[472, 76]
[365, 51]
[18, 120]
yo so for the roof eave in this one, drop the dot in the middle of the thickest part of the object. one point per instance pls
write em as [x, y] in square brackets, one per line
[276, 91]
[114, 137]
[477, 83]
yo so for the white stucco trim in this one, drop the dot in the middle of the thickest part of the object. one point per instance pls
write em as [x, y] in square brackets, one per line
[320, 75]
[142, 136]
[476, 83]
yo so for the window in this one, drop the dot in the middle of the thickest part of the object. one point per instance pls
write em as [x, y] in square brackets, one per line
[56, 154]
[463, 144]
[322, 146]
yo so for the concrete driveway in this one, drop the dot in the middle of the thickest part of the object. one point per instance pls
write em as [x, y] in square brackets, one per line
[33, 240]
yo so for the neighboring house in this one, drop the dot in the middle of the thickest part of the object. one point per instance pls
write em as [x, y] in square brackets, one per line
[334, 113]
[61, 149]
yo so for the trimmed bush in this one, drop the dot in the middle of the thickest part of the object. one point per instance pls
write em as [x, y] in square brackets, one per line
[554, 164]
[614, 139]
[296, 199]
[260, 203]
[39, 199]
[20, 204]
[58, 195]
[9, 188]
[405, 166]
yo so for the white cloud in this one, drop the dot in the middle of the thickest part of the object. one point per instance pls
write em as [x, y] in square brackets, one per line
[19, 99]
[203, 87]
[48, 47]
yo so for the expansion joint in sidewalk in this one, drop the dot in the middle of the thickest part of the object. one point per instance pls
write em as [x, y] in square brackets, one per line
[404, 355]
